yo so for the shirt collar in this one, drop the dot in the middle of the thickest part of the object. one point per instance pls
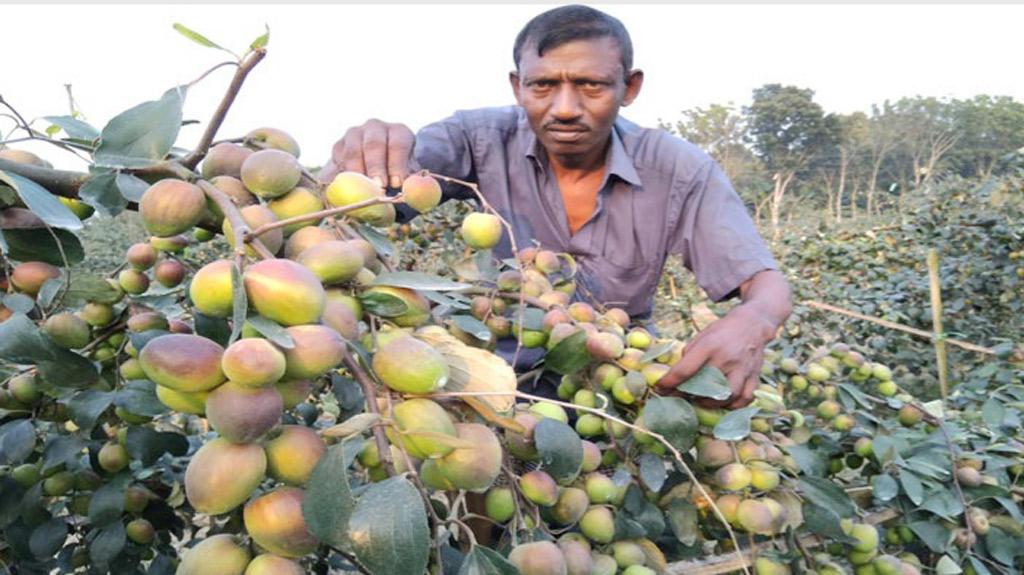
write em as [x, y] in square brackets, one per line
[620, 164]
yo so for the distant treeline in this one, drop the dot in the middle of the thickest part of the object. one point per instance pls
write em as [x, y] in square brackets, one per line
[784, 147]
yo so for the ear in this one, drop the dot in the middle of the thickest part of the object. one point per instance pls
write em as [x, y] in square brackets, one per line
[513, 80]
[634, 81]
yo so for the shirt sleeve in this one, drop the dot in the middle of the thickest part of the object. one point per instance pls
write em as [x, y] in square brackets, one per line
[716, 237]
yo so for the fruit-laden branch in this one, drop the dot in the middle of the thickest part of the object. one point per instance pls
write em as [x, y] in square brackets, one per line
[249, 236]
[246, 66]
[897, 326]
[234, 217]
[370, 393]
[512, 242]
[721, 564]
[657, 436]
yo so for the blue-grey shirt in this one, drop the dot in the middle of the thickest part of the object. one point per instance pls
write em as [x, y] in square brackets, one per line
[660, 195]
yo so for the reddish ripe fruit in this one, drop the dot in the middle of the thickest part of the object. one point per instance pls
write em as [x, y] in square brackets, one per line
[171, 207]
[169, 273]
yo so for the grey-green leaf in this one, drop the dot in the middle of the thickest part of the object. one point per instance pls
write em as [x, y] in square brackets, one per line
[569, 355]
[735, 425]
[74, 127]
[707, 382]
[195, 36]
[102, 192]
[682, 518]
[41, 202]
[141, 135]
[272, 331]
[417, 280]
[824, 493]
[560, 449]
[484, 561]
[673, 418]
[388, 529]
[328, 502]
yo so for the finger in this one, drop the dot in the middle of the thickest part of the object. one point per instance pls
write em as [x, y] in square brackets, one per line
[375, 151]
[327, 172]
[694, 357]
[746, 393]
[400, 144]
[348, 152]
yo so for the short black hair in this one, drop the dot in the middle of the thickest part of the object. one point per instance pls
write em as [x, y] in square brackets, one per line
[565, 24]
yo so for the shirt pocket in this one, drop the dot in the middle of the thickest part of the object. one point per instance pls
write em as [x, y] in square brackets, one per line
[625, 283]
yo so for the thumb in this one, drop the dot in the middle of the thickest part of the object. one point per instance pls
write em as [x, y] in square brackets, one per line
[694, 357]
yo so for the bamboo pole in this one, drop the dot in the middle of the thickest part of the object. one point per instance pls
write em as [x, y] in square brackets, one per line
[939, 337]
[897, 326]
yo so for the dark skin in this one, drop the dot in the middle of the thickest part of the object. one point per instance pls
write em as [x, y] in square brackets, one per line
[572, 95]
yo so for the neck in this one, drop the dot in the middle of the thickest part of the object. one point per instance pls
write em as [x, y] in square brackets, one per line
[579, 166]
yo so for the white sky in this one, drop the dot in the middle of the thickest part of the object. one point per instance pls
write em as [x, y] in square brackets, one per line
[333, 66]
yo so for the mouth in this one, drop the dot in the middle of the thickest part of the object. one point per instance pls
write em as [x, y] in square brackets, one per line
[564, 135]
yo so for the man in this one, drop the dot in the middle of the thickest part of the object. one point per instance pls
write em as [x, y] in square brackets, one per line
[570, 175]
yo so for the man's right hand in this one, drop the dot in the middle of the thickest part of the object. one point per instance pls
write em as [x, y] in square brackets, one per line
[381, 150]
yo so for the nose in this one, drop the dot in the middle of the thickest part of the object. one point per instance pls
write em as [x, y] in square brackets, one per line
[566, 105]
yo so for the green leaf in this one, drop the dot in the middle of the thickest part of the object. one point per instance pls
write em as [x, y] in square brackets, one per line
[569, 355]
[272, 331]
[49, 291]
[107, 502]
[944, 503]
[48, 538]
[673, 418]
[195, 36]
[108, 542]
[212, 328]
[808, 460]
[19, 303]
[388, 529]
[328, 502]
[652, 471]
[383, 304]
[484, 561]
[87, 287]
[735, 425]
[42, 202]
[377, 239]
[239, 303]
[139, 397]
[21, 341]
[1002, 546]
[932, 533]
[74, 127]
[884, 487]
[131, 187]
[824, 493]
[261, 41]
[947, 566]
[85, 407]
[141, 136]
[682, 519]
[912, 486]
[850, 394]
[533, 318]
[148, 445]
[17, 441]
[993, 412]
[656, 351]
[39, 244]
[61, 449]
[417, 280]
[560, 449]
[472, 326]
[101, 192]
[822, 520]
[651, 519]
[707, 382]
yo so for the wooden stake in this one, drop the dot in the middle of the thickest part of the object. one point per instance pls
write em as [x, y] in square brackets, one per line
[938, 336]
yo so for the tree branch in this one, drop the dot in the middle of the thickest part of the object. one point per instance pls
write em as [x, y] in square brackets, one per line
[193, 159]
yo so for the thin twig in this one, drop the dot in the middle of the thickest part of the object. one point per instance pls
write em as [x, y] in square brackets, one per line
[238, 226]
[320, 215]
[370, 393]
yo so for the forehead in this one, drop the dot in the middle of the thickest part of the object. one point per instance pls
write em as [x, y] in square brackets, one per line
[589, 56]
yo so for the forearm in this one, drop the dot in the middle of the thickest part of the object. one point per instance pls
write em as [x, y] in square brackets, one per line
[766, 297]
